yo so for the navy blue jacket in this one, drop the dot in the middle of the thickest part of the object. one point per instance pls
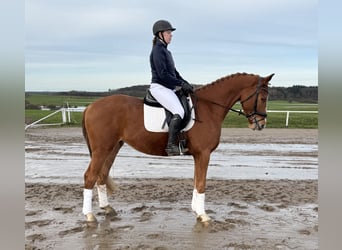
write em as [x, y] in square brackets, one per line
[163, 67]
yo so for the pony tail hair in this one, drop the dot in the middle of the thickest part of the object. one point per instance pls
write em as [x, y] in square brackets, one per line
[154, 41]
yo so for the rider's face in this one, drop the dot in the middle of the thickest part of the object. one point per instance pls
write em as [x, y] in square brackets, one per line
[167, 36]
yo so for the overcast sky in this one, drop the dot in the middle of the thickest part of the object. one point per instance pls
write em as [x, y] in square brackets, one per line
[99, 45]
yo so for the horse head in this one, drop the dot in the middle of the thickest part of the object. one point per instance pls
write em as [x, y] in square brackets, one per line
[254, 100]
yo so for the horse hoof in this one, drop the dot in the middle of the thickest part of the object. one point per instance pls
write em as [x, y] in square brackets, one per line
[109, 211]
[90, 217]
[204, 218]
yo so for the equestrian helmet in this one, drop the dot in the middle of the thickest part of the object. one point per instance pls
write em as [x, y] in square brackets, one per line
[162, 25]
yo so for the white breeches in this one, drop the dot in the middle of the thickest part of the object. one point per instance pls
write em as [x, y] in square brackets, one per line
[167, 98]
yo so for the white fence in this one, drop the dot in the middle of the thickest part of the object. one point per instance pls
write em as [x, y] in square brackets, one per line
[288, 114]
[66, 116]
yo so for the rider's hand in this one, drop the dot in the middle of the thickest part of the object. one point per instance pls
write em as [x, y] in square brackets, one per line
[187, 87]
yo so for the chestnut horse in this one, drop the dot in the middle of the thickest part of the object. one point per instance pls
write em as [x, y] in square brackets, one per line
[111, 121]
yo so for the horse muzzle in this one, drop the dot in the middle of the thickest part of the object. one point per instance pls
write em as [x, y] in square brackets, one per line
[257, 124]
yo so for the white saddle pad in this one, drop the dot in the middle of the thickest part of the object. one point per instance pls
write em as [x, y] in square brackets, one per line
[154, 118]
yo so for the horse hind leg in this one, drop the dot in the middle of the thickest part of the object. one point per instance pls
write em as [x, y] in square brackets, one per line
[101, 159]
[105, 185]
[103, 201]
[90, 178]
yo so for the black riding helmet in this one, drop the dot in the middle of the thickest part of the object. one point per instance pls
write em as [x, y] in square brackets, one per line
[162, 25]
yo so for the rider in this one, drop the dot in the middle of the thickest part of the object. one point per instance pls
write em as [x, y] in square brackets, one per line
[166, 80]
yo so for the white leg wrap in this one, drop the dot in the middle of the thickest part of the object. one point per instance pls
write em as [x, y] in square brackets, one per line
[87, 201]
[200, 204]
[193, 202]
[197, 203]
[102, 192]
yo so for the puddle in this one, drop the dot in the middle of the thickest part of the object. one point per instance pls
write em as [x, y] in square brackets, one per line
[58, 162]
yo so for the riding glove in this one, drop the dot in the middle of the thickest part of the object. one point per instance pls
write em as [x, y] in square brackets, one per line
[187, 87]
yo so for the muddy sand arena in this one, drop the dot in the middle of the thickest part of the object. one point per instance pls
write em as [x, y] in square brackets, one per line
[155, 213]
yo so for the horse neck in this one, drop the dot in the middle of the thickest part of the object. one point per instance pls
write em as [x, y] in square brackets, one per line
[224, 93]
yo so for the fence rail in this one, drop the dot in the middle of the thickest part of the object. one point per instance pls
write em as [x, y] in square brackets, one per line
[66, 117]
[288, 113]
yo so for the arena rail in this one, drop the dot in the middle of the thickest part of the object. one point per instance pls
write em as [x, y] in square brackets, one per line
[66, 117]
[288, 113]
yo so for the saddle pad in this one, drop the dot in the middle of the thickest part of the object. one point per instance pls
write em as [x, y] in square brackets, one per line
[154, 118]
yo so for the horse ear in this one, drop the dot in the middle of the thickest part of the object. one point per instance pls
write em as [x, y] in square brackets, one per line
[268, 78]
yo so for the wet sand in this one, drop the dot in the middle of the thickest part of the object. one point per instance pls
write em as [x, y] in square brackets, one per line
[155, 213]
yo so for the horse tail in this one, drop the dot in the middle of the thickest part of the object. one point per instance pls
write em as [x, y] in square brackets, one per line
[84, 130]
[111, 186]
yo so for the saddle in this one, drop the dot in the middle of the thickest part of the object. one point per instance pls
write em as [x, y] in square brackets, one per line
[156, 117]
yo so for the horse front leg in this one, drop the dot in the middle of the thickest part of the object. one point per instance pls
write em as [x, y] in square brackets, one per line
[198, 195]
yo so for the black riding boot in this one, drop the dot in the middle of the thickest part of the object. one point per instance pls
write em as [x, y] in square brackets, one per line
[172, 143]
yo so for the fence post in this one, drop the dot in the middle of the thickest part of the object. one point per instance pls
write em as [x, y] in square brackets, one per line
[287, 118]
[69, 119]
[63, 115]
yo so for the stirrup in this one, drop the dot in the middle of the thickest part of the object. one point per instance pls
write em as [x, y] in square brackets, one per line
[183, 147]
[172, 150]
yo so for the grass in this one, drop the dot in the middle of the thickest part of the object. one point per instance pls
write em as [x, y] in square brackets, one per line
[275, 120]
[59, 100]
[278, 120]
[34, 115]
[232, 120]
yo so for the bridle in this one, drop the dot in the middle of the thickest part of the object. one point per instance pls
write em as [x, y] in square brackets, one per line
[254, 112]
[252, 115]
